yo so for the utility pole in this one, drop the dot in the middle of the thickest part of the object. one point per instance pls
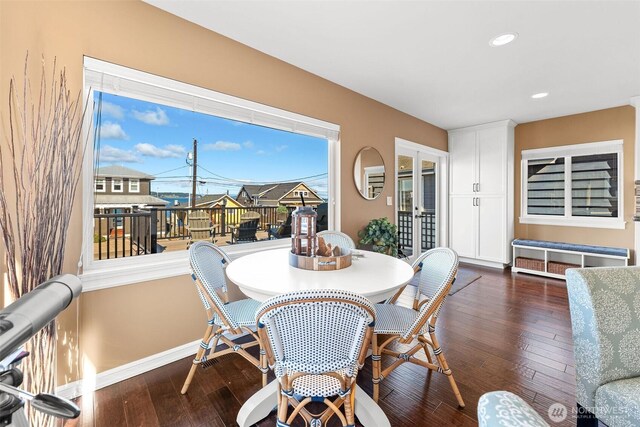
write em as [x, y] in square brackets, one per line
[194, 182]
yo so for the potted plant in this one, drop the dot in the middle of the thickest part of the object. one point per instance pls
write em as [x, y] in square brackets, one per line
[381, 235]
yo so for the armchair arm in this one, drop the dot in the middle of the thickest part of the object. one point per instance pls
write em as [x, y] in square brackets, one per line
[502, 408]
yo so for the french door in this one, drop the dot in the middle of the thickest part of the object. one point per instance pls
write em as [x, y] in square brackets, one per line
[419, 197]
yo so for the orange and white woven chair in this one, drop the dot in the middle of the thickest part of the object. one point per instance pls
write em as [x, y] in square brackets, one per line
[315, 342]
[436, 269]
[207, 265]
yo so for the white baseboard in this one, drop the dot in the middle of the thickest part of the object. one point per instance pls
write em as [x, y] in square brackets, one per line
[129, 370]
[491, 264]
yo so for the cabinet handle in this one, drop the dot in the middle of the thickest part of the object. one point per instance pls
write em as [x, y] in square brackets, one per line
[474, 201]
[477, 187]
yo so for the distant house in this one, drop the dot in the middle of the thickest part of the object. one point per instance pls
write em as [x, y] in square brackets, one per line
[285, 194]
[118, 187]
[217, 201]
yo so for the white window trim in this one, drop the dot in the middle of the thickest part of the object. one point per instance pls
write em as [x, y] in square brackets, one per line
[104, 185]
[113, 185]
[604, 147]
[111, 78]
[131, 181]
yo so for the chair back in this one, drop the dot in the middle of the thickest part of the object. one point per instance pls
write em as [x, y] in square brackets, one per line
[199, 225]
[247, 230]
[208, 263]
[437, 269]
[337, 238]
[316, 331]
[605, 318]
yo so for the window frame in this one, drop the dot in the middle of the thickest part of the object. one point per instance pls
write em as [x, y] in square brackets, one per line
[104, 185]
[113, 185]
[118, 80]
[568, 152]
[134, 180]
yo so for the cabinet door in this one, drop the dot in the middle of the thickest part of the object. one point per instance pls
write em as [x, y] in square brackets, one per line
[491, 228]
[462, 160]
[462, 225]
[491, 146]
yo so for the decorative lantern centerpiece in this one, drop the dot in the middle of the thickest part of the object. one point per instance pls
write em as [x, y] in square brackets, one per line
[306, 253]
[303, 231]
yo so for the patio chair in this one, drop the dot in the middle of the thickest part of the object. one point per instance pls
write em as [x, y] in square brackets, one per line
[316, 342]
[245, 232]
[200, 227]
[436, 269]
[337, 238]
[281, 231]
[207, 265]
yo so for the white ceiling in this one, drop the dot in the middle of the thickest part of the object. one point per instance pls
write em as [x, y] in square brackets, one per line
[432, 59]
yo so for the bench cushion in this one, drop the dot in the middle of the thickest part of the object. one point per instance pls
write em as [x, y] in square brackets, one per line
[618, 402]
[601, 250]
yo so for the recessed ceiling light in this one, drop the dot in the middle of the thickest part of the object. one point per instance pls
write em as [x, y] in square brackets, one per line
[540, 95]
[503, 39]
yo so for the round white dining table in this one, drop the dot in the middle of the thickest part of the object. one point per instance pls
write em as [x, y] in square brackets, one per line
[265, 274]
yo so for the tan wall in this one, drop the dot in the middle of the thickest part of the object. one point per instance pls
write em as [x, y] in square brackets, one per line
[603, 125]
[120, 325]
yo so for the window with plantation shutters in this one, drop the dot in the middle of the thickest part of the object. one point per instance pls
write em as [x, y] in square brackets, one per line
[594, 185]
[575, 185]
[545, 187]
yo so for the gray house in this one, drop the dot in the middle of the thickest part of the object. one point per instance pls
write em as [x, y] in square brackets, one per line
[119, 187]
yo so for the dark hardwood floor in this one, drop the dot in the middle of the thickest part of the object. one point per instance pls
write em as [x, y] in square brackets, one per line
[502, 332]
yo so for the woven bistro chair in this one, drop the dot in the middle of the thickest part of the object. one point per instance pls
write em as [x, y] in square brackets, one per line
[207, 265]
[316, 341]
[436, 269]
[337, 238]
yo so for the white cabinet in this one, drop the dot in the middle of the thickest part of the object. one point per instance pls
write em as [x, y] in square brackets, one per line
[481, 192]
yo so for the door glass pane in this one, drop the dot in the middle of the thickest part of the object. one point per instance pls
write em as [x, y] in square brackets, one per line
[405, 204]
[594, 185]
[428, 217]
[545, 186]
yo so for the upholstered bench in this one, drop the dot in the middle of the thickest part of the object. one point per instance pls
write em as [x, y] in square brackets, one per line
[552, 259]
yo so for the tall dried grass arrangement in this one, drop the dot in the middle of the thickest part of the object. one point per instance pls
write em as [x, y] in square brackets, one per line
[40, 163]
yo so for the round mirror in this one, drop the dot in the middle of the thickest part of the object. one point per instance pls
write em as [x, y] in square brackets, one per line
[368, 173]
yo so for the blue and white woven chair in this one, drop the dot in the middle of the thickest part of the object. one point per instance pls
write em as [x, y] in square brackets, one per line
[337, 238]
[436, 269]
[316, 342]
[208, 263]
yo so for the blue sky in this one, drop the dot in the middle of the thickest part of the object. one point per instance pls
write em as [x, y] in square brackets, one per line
[155, 139]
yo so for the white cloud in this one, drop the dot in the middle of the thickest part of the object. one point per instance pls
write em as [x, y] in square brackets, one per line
[261, 152]
[223, 146]
[116, 155]
[112, 110]
[150, 150]
[178, 149]
[150, 117]
[280, 148]
[109, 130]
[248, 144]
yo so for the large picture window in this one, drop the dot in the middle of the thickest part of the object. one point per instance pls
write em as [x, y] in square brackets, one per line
[576, 185]
[173, 163]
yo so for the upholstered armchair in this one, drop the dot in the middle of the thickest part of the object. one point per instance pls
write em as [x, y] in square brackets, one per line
[605, 314]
